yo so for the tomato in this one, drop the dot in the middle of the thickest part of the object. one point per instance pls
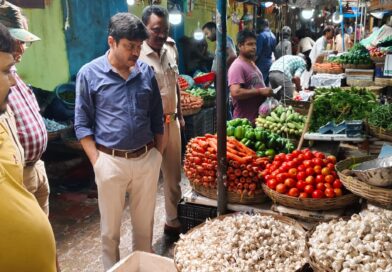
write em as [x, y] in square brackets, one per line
[301, 175]
[329, 192]
[293, 172]
[308, 163]
[317, 194]
[272, 168]
[317, 169]
[331, 159]
[319, 155]
[308, 155]
[331, 166]
[301, 157]
[309, 171]
[281, 177]
[300, 185]
[281, 188]
[329, 178]
[319, 178]
[289, 182]
[309, 189]
[296, 162]
[320, 186]
[338, 192]
[309, 180]
[317, 161]
[271, 183]
[293, 192]
[277, 163]
[303, 195]
[296, 153]
[291, 164]
[289, 157]
[337, 184]
[301, 168]
[328, 185]
[333, 173]
[325, 171]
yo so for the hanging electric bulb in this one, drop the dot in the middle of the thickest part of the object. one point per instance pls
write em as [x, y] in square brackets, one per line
[307, 13]
[337, 18]
[131, 2]
[175, 16]
[198, 34]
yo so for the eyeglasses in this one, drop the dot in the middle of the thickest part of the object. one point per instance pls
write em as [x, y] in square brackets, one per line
[158, 31]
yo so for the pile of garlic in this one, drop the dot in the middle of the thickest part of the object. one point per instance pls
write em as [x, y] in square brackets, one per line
[363, 243]
[242, 243]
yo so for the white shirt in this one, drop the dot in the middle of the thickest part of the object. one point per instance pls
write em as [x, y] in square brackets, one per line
[317, 49]
[305, 44]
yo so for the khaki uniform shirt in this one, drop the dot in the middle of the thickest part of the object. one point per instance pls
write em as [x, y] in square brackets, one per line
[166, 72]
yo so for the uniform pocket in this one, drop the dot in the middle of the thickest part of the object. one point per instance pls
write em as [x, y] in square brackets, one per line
[143, 100]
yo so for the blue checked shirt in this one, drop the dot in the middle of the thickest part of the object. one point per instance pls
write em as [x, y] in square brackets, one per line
[291, 66]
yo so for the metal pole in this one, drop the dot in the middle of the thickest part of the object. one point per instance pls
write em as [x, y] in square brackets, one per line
[254, 17]
[221, 104]
[356, 23]
[364, 21]
[342, 23]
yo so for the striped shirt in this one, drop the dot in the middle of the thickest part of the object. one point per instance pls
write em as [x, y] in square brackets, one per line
[31, 127]
[291, 66]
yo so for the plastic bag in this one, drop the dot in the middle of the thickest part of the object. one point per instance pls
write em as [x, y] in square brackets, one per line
[268, 105]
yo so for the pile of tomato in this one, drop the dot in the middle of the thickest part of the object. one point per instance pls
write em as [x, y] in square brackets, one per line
[304, 174]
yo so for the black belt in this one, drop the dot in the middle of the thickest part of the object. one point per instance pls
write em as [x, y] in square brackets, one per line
[124, 153]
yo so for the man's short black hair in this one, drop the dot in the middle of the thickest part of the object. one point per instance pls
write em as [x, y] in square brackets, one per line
[327, 29]
[7, 43]
[124, 25]
[209, 26]
[243, 35]
[154, 9]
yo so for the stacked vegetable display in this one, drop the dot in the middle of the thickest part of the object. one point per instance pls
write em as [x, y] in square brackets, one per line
[357, 55]
[335, 104]
[264, 142]
[208, 94]
[304, 174]
[243, 173]
[328, 68]
[190, 102]
[283, 121]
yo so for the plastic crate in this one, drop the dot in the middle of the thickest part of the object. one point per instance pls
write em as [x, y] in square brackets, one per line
[191, 215]
[209, 120]
[194, 125]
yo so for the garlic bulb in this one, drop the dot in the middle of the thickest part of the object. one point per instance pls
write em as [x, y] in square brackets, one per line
[363, 243]
[242, 243]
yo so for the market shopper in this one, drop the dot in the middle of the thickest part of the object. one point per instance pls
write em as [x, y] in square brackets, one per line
[246, 82]
[338, 41]
[31, 128]
[26, 237]
[160, 52]
[284, 46]
[119, 122]
[306, 43]
[266, 43]
[210, 31]
[286, 71]
[321, 43]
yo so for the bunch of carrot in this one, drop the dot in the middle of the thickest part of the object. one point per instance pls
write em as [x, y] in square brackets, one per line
[190, 102]
[328, 67]
[243, 170]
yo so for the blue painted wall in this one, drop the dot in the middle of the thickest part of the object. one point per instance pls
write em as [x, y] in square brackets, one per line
[86, 36]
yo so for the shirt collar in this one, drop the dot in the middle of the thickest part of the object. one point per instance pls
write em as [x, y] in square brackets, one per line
[107, 67]
[148, 50]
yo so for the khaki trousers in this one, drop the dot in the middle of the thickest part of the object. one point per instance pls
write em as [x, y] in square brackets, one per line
[171, 170]
[36, 182]
[115, 177]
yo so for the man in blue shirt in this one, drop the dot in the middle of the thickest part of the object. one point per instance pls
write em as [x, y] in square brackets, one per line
[266, 43]
[119, 122]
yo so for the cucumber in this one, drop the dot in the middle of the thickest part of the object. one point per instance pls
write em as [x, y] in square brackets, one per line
[291, 125]
[282, 117]
[274, 117]
[290, 118]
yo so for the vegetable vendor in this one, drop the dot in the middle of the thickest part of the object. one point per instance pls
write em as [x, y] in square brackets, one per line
[246, 83]
[286, 71]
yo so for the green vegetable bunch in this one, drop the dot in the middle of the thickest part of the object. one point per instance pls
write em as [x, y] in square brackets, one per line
[358, 54]
[381, 116]
[207, 94]
[337, 105]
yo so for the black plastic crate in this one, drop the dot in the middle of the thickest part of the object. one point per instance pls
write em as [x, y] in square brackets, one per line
[209, 120]
[194, 125]
[191, 215]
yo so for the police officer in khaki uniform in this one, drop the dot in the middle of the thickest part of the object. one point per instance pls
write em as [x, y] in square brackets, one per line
[160, 52]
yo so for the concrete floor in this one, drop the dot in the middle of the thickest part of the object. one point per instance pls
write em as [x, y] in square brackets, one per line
[75, 221]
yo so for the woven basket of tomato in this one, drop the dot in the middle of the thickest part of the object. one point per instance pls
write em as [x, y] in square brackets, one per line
[306, 180]
[243, 173]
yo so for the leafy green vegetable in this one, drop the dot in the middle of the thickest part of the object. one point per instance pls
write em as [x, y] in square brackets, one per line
[337, 105]
[381, 116]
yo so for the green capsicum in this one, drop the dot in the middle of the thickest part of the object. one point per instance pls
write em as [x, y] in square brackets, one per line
[239, 133]
[249, 134]
[230, 131]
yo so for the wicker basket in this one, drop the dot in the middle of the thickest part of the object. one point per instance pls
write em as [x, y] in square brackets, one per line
[383, 81]
[380, 133]
[190, 112]
[378, 59]
[232, 197]
[311, 204]
[376, 195]
[277, 217]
